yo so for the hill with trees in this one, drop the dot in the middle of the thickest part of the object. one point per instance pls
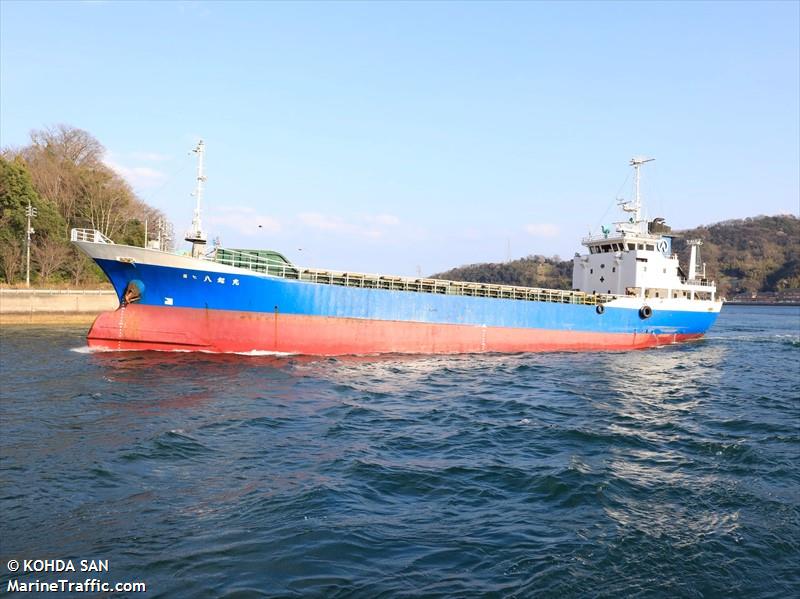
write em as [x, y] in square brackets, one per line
[533, 271]
[759, 254]
[748, 255]
[62, 175]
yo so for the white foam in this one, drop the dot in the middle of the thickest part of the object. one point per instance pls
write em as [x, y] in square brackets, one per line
[255, 352]
[258, 352]
[88, 350]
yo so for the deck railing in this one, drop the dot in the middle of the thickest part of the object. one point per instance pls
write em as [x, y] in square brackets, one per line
[698, 282]
[90, 235]
[284, 270]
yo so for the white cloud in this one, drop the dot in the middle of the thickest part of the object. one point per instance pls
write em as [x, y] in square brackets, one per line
[316, 220]
[389, 220]
[243, 220]
[150, 156]
[137, 176]
[370, 226]
[542, 230]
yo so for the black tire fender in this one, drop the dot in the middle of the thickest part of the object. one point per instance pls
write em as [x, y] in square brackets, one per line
[645, 312]
[600, 308]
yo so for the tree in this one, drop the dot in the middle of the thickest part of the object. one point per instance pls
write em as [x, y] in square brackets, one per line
[49, 255]
[62, 174]
[108, 201]
[68, 144]
[78, 266]
[67, 168]
[56, 158]
[16, 193]
[11, 260]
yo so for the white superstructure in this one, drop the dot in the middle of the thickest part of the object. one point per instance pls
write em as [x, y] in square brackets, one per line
[636, 260]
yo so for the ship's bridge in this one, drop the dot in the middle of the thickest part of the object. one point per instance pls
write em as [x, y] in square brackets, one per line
[636, 259]
[638, 264]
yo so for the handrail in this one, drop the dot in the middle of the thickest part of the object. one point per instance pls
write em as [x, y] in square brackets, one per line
[279, 268]
[90, 235]
[698, 282]
[624, 236]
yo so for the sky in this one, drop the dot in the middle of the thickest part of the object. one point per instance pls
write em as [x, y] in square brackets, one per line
[413, 137]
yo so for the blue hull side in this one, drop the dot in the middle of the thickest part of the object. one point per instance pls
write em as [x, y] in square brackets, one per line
[167, 286]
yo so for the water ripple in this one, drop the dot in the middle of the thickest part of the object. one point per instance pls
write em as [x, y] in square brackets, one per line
[668, 473]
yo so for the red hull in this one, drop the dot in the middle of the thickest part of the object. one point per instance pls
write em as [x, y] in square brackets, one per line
[139, 327]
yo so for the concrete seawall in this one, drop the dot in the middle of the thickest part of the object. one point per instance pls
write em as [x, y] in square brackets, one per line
[54, 306]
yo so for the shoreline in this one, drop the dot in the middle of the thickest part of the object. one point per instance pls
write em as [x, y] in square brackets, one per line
[25, 307]
[764, 304]
[47, 318]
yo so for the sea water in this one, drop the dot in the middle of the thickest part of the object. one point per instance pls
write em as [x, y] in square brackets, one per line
[670, 472]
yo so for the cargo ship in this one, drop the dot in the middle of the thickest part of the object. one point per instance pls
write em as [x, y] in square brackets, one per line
[628, 292]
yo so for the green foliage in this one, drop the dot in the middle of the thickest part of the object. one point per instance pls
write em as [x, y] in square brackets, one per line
[133, 233]
[16, 191]
[533, 271]
[62, 174]
[753, 254]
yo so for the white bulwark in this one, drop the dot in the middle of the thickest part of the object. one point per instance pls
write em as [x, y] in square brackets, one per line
[636, 260]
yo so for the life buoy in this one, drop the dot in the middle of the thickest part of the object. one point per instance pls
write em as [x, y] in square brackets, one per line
[645, 312]
[600, 308]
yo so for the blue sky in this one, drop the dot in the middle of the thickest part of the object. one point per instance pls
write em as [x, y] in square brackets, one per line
[397, 137]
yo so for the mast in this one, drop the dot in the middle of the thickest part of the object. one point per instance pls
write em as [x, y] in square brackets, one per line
[196, 235]
[637, 163]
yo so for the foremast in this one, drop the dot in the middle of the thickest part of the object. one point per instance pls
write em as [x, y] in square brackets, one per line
[196, 236]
